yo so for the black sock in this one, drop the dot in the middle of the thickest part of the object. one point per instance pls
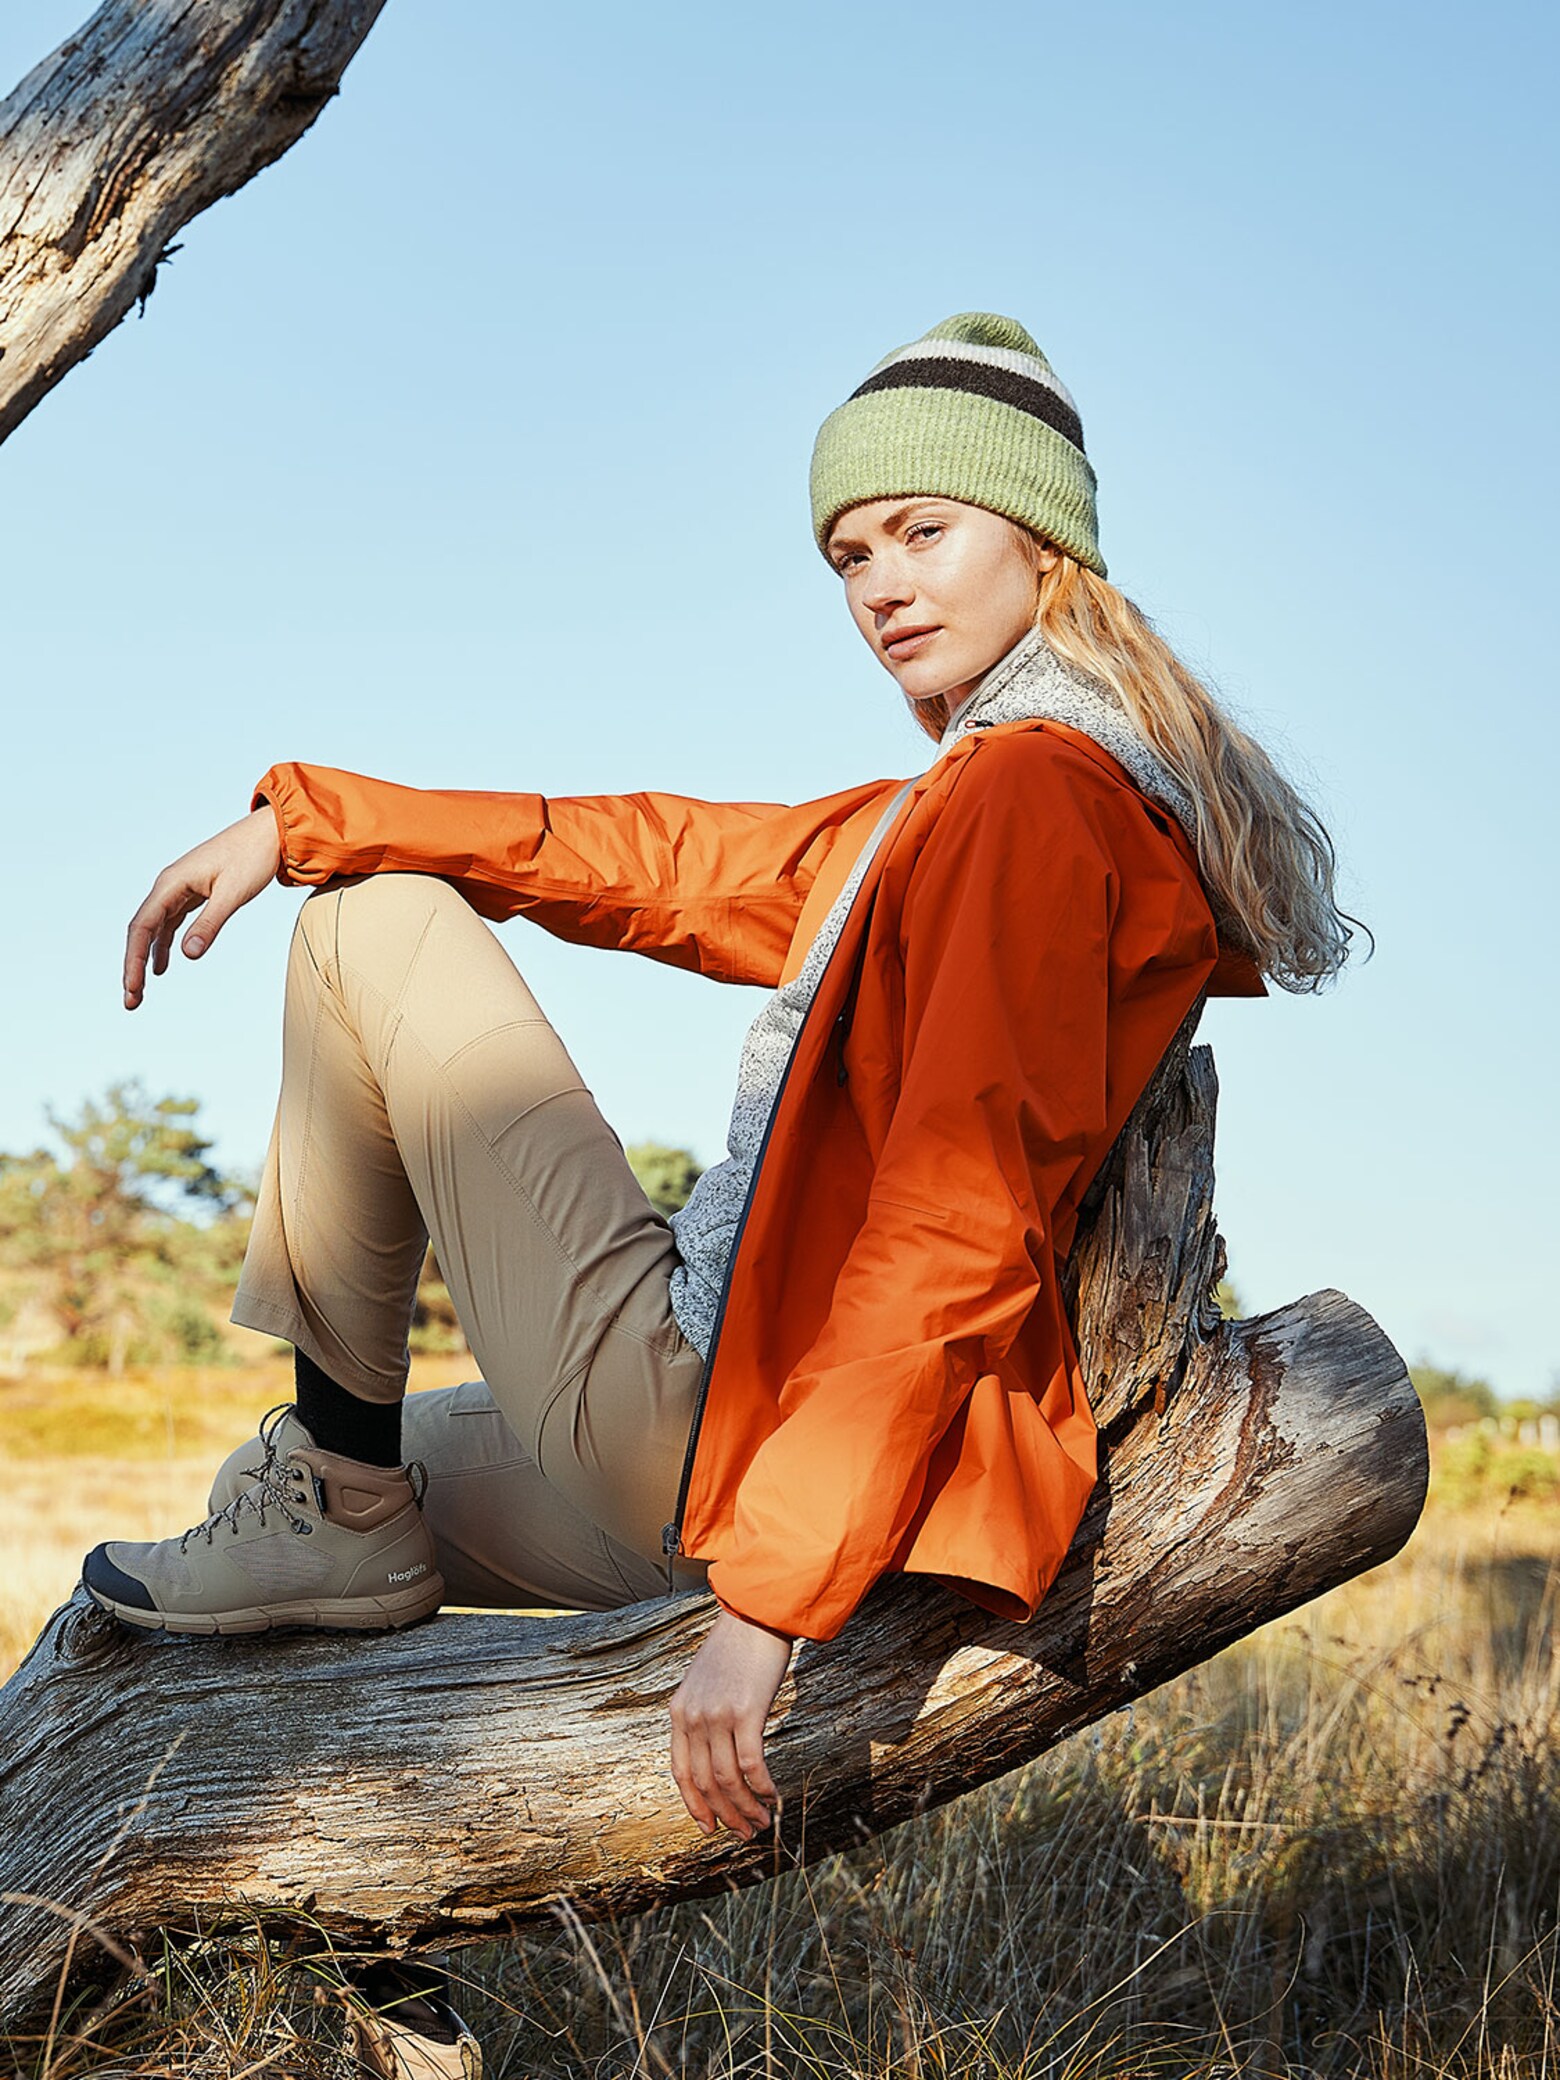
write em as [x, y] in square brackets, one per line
[343, 1422]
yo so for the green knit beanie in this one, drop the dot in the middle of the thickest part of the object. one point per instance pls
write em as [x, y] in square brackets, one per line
[972, 410]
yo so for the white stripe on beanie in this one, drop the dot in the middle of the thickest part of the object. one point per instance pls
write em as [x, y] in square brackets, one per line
[1009, 358]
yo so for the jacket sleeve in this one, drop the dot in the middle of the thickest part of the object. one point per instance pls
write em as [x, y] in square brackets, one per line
[712, 886]
[1006, 940]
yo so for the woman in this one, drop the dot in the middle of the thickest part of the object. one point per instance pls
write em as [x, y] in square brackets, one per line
[848, 1354]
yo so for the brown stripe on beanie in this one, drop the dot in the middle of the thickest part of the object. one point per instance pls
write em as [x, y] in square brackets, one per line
[980, 379]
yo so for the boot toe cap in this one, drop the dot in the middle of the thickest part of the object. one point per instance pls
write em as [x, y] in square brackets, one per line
[102, 1573]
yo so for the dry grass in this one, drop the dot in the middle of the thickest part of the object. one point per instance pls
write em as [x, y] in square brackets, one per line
[1335, 1850]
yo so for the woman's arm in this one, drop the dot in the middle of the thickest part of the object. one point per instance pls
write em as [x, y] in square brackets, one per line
[712, 886]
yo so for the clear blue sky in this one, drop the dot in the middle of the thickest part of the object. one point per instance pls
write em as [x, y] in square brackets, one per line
[468, 446]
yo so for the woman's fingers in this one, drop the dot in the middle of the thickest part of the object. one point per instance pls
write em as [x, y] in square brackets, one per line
[698, 1805]
[715, 1783]
[224, 899]
[755, 1771]
[138, 944]
[738, 1802]
[151, 933]
[162, 945]
[179, 905]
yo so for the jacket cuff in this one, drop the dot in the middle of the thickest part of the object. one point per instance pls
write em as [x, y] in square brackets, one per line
[264, 798]
[782, 1624]
[278, 790]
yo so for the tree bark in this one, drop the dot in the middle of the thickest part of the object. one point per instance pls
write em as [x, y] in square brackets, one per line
[137, 123]
[462, 1778]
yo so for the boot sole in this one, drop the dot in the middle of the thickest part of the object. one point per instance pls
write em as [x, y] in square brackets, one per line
[329, 1614]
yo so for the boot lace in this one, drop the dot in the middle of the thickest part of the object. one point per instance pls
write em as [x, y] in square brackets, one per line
[275, 1485]
[270, 1423]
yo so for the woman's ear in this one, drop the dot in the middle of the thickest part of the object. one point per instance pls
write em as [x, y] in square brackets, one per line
[1040, 553]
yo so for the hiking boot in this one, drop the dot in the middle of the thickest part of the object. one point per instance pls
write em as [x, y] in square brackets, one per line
[312, 1539]
[400, 2026]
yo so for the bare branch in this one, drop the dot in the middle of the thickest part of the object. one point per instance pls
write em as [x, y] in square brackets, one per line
[153, 111]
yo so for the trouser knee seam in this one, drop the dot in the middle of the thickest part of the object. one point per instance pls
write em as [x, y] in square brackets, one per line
[306, 1136]
[516, 1188]
[547, 1408]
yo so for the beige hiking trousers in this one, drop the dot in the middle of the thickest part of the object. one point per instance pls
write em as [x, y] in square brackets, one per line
[424, 1094]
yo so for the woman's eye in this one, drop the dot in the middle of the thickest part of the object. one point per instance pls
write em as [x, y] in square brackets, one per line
[847, 563]
[925, 530]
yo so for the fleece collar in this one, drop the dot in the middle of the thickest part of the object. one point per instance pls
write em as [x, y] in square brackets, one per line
[1033, 682]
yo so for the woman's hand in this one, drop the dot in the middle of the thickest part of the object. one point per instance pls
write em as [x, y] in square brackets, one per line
[223, 875]
[718, 1713]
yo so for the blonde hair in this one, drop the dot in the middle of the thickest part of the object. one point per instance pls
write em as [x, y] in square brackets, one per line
[1266, 860]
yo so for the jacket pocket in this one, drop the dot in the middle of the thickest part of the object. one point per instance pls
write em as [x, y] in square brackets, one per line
[928, 1213]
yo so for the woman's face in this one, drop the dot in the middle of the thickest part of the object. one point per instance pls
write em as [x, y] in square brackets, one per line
[939, 589]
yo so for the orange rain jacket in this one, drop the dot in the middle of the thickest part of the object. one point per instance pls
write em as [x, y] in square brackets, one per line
[893, 1384]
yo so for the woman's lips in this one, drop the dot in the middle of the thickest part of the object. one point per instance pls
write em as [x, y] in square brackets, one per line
[907, 645]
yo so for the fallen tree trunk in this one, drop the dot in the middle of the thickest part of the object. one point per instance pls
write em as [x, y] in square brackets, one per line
[137, 123]
[464, 1777]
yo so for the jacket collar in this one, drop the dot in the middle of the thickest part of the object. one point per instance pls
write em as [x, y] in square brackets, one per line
[1033, 683]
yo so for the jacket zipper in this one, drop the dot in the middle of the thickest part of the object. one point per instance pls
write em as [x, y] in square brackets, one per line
[842, 1024]
[671, 1532]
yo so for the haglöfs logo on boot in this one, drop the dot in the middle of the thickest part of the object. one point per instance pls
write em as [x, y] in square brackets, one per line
[406, 1574]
